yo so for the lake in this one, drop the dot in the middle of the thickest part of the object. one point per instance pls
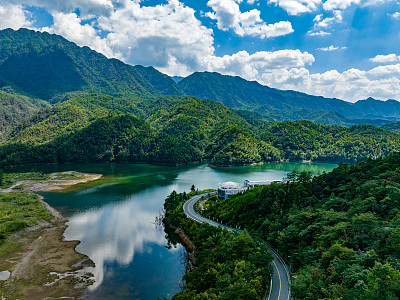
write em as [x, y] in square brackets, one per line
[114, 220]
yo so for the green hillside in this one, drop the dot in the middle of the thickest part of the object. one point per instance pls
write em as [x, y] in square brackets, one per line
[180, 130]
[340, 231]
[15, 108]
[394, 127]
[304, 140]
[69, 117]
[46, 66]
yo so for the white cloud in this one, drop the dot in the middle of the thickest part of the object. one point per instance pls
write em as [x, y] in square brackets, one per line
[328, 22]
[383, 59]
[318, 33]
[382, 82]
[331, 48]
[343, 4]
[322, 24]
[70, 27]
[228, 16]
[13, 16]
[85, 6]
[253, 66]
[167, 36]
[296, 7]
[395, 15]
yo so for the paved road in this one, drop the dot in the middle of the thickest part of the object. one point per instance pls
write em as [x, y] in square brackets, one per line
[280, 279]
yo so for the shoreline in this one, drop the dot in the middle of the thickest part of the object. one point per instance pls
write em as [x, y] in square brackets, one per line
[41, 263]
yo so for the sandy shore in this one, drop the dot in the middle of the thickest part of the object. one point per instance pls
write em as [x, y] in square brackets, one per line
[41, 263]
[57, 181]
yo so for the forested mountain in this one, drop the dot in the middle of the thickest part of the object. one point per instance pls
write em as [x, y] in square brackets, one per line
[394, 127]
[304, 140]
[15, 108]
[181, 130]
[83, 89]
[340, 231]
[238, 93]
[389, 109]
[46, 66]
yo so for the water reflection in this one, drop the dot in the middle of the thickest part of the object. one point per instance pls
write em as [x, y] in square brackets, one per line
[114, 233]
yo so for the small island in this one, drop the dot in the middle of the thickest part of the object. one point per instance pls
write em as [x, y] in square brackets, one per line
[35, 261]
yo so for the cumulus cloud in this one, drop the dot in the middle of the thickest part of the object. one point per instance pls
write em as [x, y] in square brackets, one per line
[168, 36]
[228, 16]
[296, 7]
[381, 82]
[253, 66]
[70, 27]
[13, 16]
[390, 58]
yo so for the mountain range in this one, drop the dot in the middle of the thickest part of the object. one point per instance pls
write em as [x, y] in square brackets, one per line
[48, 67]
[61, 103]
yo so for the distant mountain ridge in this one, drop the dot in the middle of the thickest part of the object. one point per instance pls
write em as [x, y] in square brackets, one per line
[48, 67]
[238, 93]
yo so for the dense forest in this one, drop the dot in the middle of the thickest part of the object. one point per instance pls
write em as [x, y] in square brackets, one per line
[304, 140]
[179, 130]
[339, 231]
[14, 109]
[224, 265]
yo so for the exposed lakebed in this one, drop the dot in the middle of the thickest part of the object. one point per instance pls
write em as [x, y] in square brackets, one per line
[114, 219]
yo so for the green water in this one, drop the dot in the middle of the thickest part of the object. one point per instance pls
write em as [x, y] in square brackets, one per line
[114, 220]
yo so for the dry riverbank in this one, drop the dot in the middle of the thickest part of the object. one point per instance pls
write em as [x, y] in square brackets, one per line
[42, 265]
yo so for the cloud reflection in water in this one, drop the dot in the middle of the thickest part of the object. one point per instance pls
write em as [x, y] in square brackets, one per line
[114, 233]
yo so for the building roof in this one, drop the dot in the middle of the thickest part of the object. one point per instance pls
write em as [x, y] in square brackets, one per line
[230, 185]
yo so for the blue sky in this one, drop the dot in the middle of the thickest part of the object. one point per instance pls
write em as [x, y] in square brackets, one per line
[347, 49]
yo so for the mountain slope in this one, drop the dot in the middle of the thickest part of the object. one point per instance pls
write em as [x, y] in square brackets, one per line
[304, 140]
[372, 107]
[15, 108]
[238, 93]
[45, 66]
[181, 130]
[394, 127]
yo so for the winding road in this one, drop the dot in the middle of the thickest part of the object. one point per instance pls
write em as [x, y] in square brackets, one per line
[280, 280]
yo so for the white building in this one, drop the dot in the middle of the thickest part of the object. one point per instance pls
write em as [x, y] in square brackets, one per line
[226, 189]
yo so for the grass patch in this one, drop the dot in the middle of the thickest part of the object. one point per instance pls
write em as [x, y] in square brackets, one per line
[10, 179]
[19, 210]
